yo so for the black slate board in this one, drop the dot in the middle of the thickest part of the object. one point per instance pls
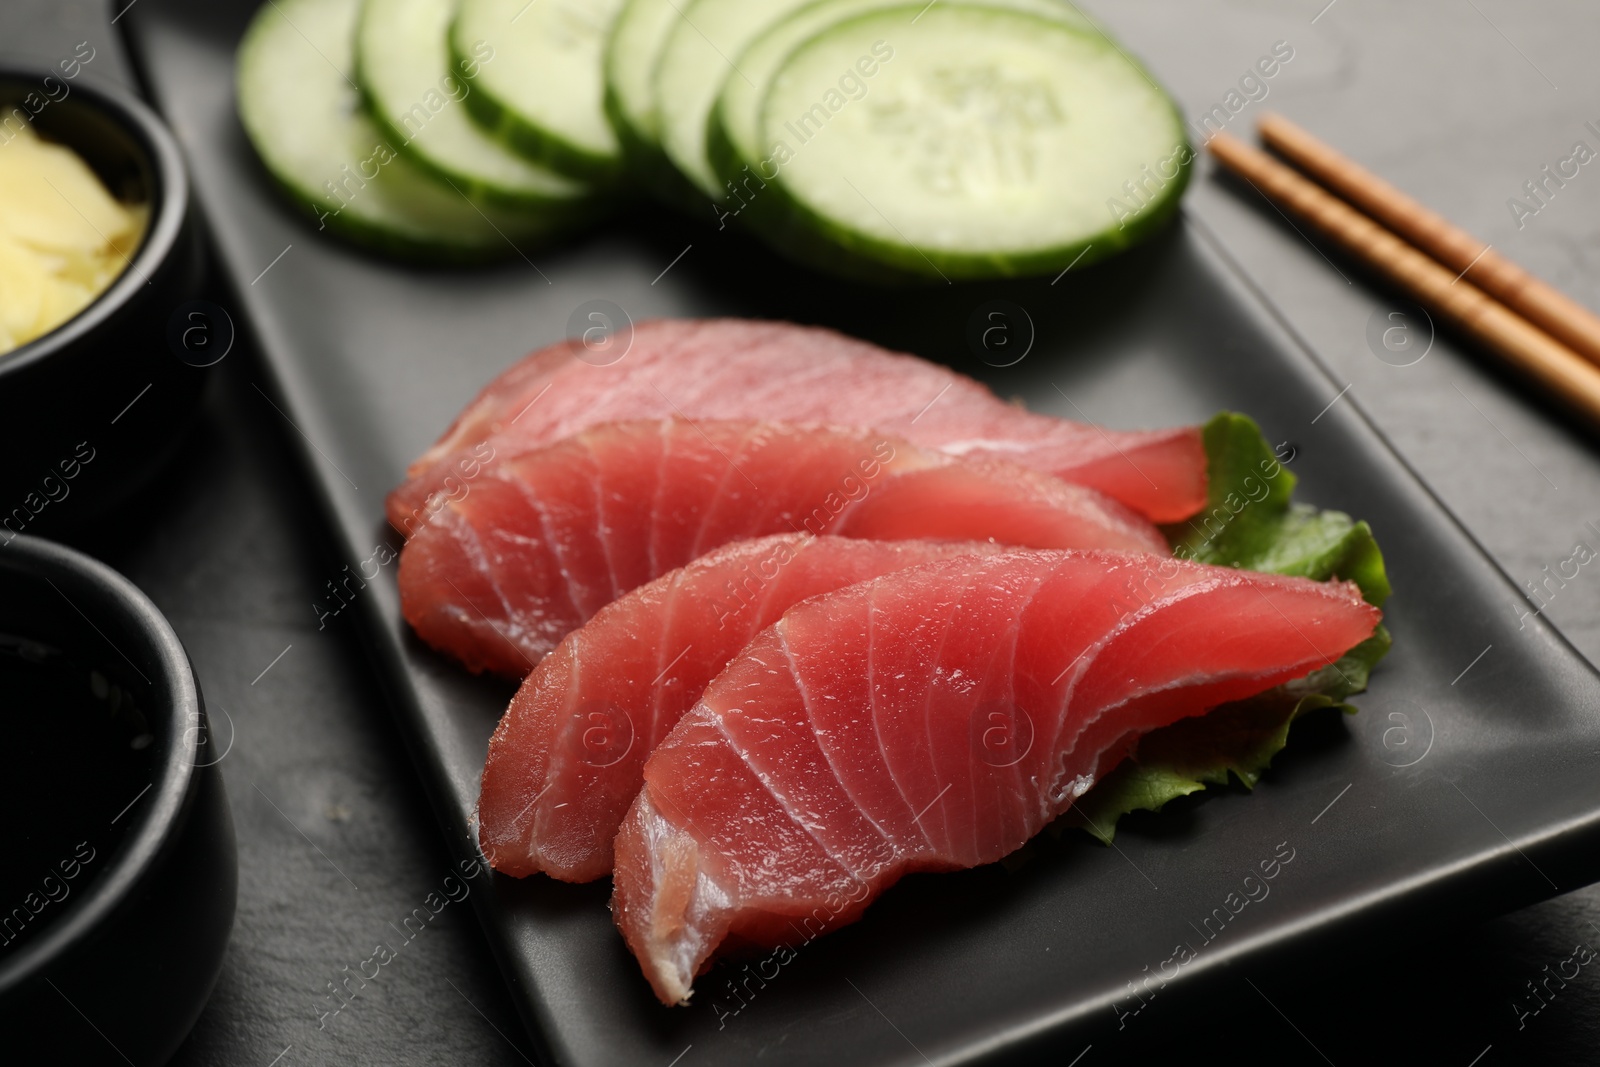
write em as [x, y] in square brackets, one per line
[372, 360]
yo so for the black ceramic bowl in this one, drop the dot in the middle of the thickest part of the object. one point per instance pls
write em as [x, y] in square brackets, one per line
[119, 869]
[66, 395]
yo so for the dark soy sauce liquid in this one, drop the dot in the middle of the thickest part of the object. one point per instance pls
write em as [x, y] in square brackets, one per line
[75, 751]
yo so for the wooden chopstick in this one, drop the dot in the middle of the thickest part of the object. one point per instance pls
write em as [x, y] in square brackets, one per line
[1496, 327]
[1540, 303]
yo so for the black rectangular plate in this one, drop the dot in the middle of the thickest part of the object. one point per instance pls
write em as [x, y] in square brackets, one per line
[1464, 787]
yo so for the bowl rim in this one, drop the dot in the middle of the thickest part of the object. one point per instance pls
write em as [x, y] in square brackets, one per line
[175, 767]
[169, 206]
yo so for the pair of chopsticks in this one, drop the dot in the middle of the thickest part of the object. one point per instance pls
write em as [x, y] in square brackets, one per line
[1530, 325]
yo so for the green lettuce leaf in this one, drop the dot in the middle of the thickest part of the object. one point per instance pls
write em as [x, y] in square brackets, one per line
[1250, 521]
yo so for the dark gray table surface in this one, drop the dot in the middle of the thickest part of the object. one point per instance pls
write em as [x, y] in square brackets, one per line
[1458, 101]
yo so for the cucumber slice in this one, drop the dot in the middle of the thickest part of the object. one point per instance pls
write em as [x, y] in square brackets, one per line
[733, 142]
[417, 98]
[699, 55]
[734, 128]
[638, 35]
[538, 86]
[984, 142]
[303, 114]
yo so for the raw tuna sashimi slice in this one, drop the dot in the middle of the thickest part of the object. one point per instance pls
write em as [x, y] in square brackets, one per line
[742, 369]
[932, 719]
[568, 756]
[544, 541]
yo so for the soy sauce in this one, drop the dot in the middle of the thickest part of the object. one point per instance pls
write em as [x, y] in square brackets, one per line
[76, 758]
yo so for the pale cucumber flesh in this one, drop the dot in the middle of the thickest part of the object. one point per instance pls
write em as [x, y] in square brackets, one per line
[637, 37]
[417, 95]
[736, 120]
[542, 90]
[980, 141]
[699, 54]
[303, 113]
